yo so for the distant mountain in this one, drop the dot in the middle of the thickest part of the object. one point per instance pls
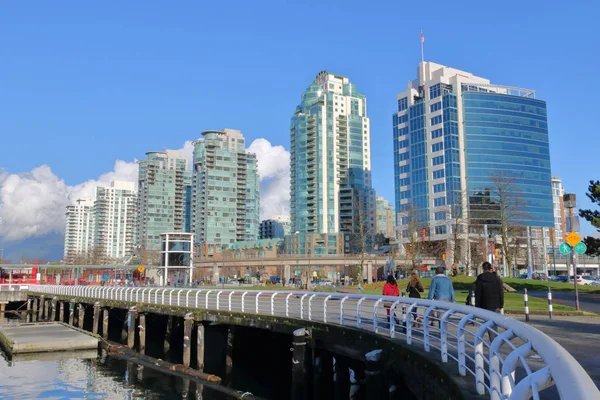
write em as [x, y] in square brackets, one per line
[41, 248]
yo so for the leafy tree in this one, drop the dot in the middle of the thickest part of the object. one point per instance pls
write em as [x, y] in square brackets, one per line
[593, 216]
[593, 246]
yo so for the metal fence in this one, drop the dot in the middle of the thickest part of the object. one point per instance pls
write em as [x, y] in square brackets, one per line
[506, 359]
[13, 287]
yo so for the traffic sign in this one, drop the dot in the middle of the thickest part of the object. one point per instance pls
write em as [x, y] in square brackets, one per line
[580, 248]
[564, 248]
[141, 269]
[573, 238]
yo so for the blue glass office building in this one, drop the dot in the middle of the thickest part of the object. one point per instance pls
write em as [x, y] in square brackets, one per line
[455, 137]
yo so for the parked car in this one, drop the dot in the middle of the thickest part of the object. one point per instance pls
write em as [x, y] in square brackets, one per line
[586, 280]
[561, 278]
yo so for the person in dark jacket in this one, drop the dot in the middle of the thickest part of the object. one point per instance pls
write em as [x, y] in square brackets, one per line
[489, 290]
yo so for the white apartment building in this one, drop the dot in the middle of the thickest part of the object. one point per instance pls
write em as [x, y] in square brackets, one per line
[115, 219]
[79, 230]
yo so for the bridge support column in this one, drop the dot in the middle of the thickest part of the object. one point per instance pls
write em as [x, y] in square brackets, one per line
[229, 354]
[200, 346]
[96, 318]
[53, 309]
[42, 308]
[287, 273]
[81, 315]
[369, 272]
[188, 324]
[35, 310]
[72, 312]
[299, 348]
[142, 333]
[167, 342]
[61, 311]
[105, 318]
[131, 324]
[28, 310]
[375, 381]
[341, 379]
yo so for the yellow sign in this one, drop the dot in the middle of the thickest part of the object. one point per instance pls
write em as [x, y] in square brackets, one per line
[573, 238]
[141, 269]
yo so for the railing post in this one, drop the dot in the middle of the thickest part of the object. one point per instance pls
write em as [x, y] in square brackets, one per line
[494, 367]
[426, 345]
[230, 294]
[218, 294]
[243, 304]
[310, 307]
[509, 366]
[206, 300]
[444, 335]
[375, 327]
[257, 296]
[287, 305]
[197, 293]
[460, 337]
[358, 311]
[302, 305]
[393, 318]
[479, 362]
[178, 296]
[408, 324]
[325, 308]
[273, 303]
[171, 296]
[187, 299]
[342, 310]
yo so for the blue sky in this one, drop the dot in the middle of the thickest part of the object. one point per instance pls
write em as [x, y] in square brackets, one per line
[83, 84]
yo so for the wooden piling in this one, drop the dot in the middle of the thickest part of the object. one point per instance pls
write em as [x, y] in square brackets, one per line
[29, 305]
[142, 333]
[35, 310]
[81, 316]
[188, 324]
[72, 312]
[375, 381]
[61, 311]
[131, 324]
[105, 315]
[42, 308]
[341, 379]
[229, 355]
[167, 341]
[96, 318]
[299, 347]
[53, 309]
[200, 346]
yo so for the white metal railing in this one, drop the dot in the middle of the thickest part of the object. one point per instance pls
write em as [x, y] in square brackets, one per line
[13, 287]
[506, 359]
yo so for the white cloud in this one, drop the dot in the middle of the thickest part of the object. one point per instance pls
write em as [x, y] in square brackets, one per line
[33, 203]
[274, 172]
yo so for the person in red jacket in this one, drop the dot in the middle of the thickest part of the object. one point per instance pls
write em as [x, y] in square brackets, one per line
[390, 289]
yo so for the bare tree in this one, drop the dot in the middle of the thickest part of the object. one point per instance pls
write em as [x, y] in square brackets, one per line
[411, 225]
[361, 240]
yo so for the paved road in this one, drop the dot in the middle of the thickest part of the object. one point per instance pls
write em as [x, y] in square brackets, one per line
[580, 336]
[587, 302]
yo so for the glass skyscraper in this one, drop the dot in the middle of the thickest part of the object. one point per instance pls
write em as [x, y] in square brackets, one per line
[456, 136]
[226, 199]
[330, 159]
[161, 200]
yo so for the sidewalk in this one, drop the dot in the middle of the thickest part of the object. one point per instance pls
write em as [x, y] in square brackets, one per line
[580, 336]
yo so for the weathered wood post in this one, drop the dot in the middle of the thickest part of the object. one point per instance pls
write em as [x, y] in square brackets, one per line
[61, 311]
[42, 308]
[96, 318]
[229, 354]
[131, 324]
[341, 379]
[53, 309]
[35, 310]
[200, 346]
[105, 317]
[142, 333]
[299, 346]
[47, 310]
[188, 324]
[375, 381]
[72, 312]
[167, 341]
[81, 317]
[28, 309]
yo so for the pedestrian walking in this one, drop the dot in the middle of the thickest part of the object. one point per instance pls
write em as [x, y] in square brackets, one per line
[390, 289]
[441, 289]
[414, 290]
[489, 292]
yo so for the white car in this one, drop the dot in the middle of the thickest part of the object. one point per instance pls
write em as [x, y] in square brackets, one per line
[585, 280]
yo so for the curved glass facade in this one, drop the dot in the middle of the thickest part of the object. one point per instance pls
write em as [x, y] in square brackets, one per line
[506, 144]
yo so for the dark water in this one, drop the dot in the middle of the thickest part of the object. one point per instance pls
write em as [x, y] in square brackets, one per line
[95, 378]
